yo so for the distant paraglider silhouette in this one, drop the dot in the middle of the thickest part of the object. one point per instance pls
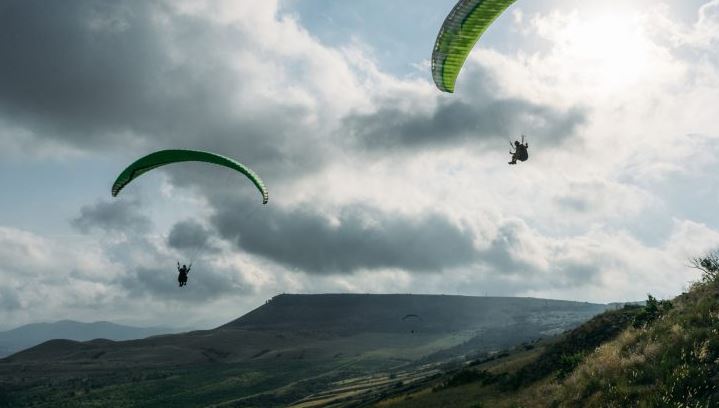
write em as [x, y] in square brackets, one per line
[413, 319]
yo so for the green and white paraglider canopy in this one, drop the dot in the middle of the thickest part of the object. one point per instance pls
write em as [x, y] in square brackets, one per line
[462, 28]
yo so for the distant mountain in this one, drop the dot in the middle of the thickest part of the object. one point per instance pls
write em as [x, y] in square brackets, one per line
[30, 335]
[288, 348]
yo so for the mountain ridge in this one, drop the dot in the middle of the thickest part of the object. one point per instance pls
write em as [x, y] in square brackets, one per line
[32, 334]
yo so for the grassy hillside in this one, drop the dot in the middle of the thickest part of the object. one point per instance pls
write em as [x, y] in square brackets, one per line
[672, 361]
[664, 354]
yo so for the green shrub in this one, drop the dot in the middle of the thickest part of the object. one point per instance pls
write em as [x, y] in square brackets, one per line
[652, 311]
[470, 376]
[567, 364]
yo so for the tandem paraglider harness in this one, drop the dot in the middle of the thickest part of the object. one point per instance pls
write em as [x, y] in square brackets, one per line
[182, 277]
[520, 151]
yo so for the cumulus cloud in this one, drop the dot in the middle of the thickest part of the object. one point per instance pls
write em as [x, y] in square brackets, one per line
[357, 237]
[590, 197]
[518, 258]
[703, 34]
[190, 234]
[485, 115]
[205, 284]
[511, 250]
[50, 277]
[112, 216]
[54, 279]
[96, 76]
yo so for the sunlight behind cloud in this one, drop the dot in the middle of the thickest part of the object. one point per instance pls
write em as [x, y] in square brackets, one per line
[610, 51]
[613, 47]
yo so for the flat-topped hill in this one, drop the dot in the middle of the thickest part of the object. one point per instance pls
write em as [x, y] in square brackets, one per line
[351, 313]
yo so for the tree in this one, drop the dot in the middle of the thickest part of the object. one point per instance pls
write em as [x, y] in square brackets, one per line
[652, 310]
[708, 264]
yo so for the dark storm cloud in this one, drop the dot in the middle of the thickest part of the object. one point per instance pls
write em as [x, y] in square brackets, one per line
[117, 215]
[358, 238]
[95, 75]
[190, 235]
[203, 284]
[76, 68]
[484, 115]
[459, 122]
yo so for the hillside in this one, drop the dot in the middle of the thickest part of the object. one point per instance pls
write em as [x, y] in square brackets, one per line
[283, 351]
[29, 335]
[662, 354]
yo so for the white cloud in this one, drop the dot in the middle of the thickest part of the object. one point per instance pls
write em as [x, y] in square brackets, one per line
[48, 275]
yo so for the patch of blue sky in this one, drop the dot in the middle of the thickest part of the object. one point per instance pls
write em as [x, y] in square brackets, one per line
[401, 33]
[42, 195]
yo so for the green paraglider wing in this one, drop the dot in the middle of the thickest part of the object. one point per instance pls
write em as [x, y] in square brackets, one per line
[467, 21]
[163, 157]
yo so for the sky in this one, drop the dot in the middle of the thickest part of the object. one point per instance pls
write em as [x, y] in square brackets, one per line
[378, 182]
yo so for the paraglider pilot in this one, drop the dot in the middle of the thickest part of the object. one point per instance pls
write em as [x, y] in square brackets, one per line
[182, 277]
[520, 151]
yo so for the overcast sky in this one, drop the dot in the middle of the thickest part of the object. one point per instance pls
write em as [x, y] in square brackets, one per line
[378, 182]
